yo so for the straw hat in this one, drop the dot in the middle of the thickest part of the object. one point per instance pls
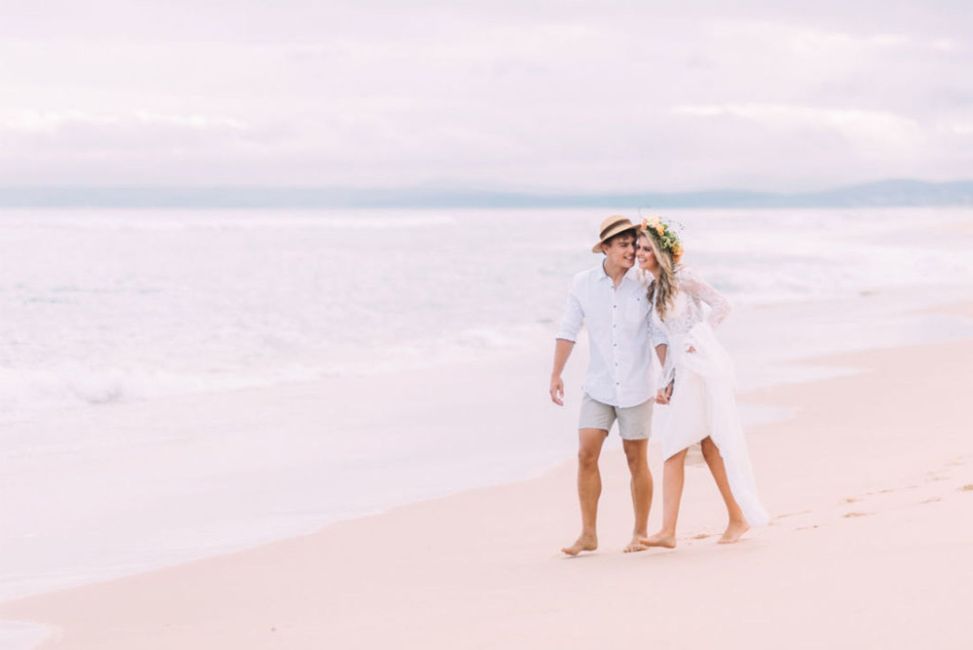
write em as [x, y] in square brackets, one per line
[610, 227]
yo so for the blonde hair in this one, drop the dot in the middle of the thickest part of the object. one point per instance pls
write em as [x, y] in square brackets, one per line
[664, 288]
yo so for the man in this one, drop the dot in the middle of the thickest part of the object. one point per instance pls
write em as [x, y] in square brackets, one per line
[611, 301]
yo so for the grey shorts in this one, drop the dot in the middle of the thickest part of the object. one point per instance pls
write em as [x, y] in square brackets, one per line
[634, 422]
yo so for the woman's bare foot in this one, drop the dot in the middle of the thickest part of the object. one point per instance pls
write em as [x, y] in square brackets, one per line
[734, 531]
[585, 543]
[635, 545]
[665, 540]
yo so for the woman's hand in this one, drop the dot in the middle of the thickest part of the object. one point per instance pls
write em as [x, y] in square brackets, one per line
[690, 349]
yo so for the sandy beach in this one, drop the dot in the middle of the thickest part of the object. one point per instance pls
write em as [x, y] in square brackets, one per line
[870, 483]
[286, 290]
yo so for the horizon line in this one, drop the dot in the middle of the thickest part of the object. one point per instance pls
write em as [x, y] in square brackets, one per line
[885, 192]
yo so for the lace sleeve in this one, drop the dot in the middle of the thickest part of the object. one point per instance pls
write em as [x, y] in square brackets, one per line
[657, 331]
[698, 288]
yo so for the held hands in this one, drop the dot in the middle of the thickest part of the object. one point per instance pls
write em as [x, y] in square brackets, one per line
[663, 396]
[557, 390]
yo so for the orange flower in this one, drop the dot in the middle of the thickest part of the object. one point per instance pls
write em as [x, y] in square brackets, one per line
[659, 228]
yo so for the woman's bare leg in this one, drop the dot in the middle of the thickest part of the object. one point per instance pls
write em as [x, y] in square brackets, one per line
[673, 477]
[737, 525]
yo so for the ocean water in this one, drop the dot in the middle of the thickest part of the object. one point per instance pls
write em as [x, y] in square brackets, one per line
[176, 384]
[106, 307]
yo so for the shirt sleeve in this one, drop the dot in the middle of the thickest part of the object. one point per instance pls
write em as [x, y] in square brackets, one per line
[657, 334]
[668, 373]
[572, 319]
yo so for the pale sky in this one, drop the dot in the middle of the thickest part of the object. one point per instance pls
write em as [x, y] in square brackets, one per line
[529, 96]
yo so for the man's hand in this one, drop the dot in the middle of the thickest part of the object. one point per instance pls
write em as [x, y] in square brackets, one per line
[663, 396]
[557, 390]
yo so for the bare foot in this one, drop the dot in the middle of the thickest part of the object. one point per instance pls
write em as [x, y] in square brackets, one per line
[635, 545]
[584, 543]
[664, 540]
[734, 531]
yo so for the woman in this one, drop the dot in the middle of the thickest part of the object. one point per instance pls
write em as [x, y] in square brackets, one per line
[697, 386]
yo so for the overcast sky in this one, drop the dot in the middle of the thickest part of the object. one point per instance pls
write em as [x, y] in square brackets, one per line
[549, 96]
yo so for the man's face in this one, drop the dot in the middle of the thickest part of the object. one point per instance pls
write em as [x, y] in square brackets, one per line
[621, 251]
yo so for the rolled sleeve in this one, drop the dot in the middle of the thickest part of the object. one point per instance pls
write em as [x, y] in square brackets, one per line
[668, 373]
[657, 334]
[571, 320]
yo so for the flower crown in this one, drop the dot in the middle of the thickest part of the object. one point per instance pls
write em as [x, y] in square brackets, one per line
[664, 235]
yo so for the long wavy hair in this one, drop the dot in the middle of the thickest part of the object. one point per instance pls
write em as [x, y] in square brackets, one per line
[663, 289]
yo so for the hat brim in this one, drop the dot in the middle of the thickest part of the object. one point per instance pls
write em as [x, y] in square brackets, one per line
[614, 230]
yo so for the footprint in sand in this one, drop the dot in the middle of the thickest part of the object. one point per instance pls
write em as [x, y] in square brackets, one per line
[885, 491]
[811, 527]
[701, 536]
[967, 488]
[857, 514]
[792, 514]
[851, 500]
[931, 500]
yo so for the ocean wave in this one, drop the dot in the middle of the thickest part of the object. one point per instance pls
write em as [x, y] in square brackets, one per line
[119, 312]
[161, 221]
[72, 385]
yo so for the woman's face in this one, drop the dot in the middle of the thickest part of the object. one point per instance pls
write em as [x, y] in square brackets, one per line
[645, 256]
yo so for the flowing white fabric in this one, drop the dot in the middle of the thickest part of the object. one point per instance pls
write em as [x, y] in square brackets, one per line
[703, 399]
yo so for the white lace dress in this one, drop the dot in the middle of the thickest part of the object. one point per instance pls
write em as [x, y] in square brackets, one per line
[703, 399]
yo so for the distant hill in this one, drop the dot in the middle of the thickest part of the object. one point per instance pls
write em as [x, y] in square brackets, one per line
[881, 193]
[892, 192]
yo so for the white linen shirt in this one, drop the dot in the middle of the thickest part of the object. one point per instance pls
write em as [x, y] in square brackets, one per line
[621, 336]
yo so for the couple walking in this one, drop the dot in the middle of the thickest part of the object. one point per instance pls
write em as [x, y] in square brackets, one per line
[638, 301]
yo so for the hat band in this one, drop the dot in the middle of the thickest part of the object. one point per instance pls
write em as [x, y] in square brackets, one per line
[611, 226]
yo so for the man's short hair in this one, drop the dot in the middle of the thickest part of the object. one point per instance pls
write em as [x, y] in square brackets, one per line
[631, 232]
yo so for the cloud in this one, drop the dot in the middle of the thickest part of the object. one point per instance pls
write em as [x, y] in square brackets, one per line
[195, 122]
[526, 95]
[51, 121]
[27, 121]
[881, 129]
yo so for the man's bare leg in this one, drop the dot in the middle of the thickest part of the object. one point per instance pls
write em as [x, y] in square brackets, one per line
[589, 489]
[638, 467]
[737, 525]
[673, 477]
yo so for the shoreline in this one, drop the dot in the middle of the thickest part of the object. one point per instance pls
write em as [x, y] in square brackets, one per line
[221, 443]
[872, 501]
